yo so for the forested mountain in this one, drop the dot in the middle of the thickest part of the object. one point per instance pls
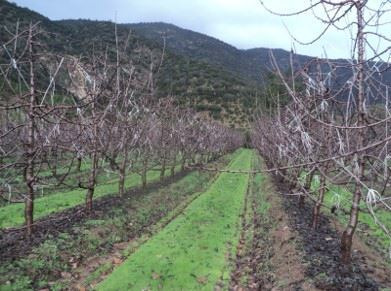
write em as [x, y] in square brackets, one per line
[194, 81]
[251, 64]
[201, 71]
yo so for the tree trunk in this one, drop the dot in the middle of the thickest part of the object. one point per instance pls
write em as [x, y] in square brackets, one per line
[29, 174]
[319, 202]
[122, 175]
[307, 187]
[121, 182]
[144, 173]
[54, 167]
[163, 169]
[183, 163]
[347, 236]
[89, 196]
[78, 165]
[144, 179]
[29, 210]
[173, 166]
[91, 182]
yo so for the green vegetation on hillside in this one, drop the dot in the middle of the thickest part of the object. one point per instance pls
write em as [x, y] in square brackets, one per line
[196, 82]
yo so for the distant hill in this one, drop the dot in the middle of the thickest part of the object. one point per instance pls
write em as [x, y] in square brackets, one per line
[195, 82]
[251, 64]
[254, 64]
[200, 71]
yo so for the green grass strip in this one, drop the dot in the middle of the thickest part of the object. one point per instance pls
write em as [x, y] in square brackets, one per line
[191, 252]
[13, 215]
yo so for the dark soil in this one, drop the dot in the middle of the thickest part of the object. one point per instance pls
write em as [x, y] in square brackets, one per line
[14, 245]
[267, 256]
[322, 252]
[241, 261]
[252, 261]
[280, 251]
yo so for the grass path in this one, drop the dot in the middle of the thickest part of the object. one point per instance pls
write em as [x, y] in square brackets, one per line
[191, 252]
[111, 235]
[13, 215]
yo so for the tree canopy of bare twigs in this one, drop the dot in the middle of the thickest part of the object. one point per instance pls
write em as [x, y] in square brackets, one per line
[60, 112]
[331, 130]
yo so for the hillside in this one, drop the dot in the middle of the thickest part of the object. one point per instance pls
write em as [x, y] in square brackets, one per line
[251, 64]
[200, 71]
[196, 82]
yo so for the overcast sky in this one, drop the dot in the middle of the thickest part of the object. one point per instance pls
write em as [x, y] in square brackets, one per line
[242, 23]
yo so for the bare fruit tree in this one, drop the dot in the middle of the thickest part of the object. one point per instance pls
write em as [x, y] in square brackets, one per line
[33, 118]
[70, 122]
[335, 127]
